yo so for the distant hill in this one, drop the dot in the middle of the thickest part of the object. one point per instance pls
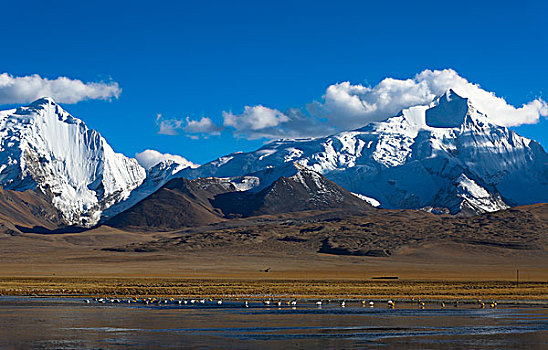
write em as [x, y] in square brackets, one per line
[376, 233]
[183, 203]
[304, 190]
[179, 203]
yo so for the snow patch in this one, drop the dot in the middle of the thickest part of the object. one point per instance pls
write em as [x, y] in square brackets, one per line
[370, 200]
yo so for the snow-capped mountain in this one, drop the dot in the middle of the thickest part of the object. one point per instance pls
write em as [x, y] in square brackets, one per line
[43, 147]
[446, 154]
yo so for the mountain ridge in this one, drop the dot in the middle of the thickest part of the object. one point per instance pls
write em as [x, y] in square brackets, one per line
[445, 156]
[402, 162]
[186, 203]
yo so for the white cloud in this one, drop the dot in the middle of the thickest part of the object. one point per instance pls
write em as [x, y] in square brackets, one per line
[168, 126]
[255, 122]
[62, 89]
[150, 158]
[254, 118]
[496, 108]
[348, 106]
[202, 126]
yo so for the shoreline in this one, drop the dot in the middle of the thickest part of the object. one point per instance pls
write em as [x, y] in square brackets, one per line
[303, 301]
[232, 288]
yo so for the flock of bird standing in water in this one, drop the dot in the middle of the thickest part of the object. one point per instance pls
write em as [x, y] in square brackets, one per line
[269, 302]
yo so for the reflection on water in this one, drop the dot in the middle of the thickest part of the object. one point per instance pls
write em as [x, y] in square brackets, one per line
[71, 323]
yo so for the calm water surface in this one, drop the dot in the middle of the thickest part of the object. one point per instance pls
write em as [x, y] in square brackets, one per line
[53, 323]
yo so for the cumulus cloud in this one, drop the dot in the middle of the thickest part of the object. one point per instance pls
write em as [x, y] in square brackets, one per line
[347, 106]
[202, 126]
[496, 108]
[254, 118]
[62, 89]
[150, 158]
[254, 121]
[192, 128]
[262, 122]
[168, 126]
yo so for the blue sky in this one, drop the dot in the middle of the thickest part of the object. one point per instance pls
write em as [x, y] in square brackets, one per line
[202, 58]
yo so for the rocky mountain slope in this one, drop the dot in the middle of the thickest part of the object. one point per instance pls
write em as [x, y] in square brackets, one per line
[445, 156]
[27, 210]
[178, 203]
[183, 203]
[304, 190]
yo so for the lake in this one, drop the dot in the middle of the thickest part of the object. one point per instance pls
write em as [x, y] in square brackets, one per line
[69, 323]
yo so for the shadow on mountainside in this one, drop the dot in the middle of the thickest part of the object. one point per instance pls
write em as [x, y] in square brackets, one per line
[44, 230]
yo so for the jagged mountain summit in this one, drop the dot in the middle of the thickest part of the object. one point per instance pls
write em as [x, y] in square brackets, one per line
[446, 156]
[44, 148]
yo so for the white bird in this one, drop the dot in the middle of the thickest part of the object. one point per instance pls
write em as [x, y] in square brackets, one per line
[266, 302]
[371, 304]
[294, 303]
[343, 303]
[246, 304]
[219, 302]
[86, 301]
[319, 303]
